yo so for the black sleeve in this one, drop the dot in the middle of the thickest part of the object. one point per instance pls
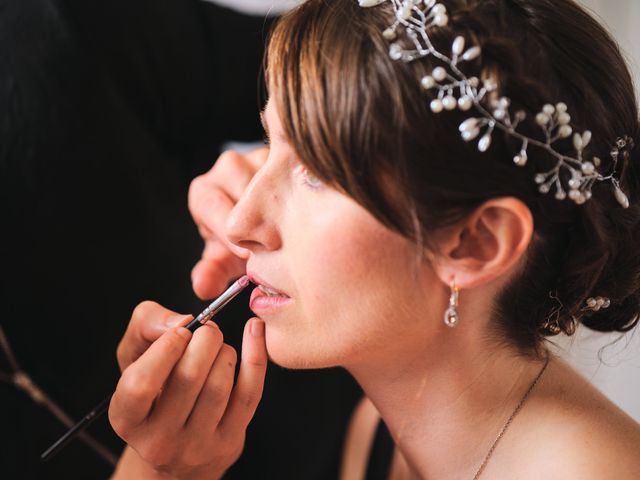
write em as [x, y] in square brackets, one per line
[94, 220]
[107, 110]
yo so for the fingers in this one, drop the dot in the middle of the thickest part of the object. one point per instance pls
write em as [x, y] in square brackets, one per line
[211, 275]
[258, 157]
[248, 391]
[214, 396]
[211, 198]
[233, 172]
[187, 378]
[177, 406]
[148, 322]
[213, 195]
[210, 206]
[141, 382]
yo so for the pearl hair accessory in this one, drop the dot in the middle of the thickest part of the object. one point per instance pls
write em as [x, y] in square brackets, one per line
[591, 305]
[594, 304]
[457, 91]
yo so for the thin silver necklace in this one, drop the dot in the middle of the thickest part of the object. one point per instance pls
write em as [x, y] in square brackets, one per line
[508, 422]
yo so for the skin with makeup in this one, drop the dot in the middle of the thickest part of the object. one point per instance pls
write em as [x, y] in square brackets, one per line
[337, 287]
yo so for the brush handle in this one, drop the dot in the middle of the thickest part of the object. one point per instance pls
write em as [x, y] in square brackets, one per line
[193, 325]
[87, 420]
[207, 314]
[91, 417]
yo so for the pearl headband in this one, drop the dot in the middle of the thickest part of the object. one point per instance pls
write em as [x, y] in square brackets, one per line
[457, 91]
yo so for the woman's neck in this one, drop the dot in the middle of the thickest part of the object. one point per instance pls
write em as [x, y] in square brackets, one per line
[445, 403]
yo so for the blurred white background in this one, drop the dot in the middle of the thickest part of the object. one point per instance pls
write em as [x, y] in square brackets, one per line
[621, 17]
[613, 367]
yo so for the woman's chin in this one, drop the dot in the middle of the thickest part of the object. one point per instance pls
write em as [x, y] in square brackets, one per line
[296, 356]
[293, 361]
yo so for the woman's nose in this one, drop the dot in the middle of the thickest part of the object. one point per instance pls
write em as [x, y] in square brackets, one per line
[252, 223]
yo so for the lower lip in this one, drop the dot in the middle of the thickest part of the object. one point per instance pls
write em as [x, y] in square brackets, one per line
[260, 302]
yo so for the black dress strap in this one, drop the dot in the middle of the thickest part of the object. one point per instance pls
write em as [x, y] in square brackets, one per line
[381, 454]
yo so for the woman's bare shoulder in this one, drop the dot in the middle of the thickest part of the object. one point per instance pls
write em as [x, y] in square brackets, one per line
[358, 440]
[574, 431]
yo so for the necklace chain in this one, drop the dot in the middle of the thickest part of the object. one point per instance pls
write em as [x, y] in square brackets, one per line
[509, 420]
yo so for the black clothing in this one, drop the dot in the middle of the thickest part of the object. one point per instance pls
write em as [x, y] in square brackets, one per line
[107, 110]
[381, 455]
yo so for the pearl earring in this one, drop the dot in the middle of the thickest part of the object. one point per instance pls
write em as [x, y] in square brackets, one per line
[451, 317]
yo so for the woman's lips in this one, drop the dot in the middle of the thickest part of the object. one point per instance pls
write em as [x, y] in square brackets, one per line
[262, 303]
[259, 281]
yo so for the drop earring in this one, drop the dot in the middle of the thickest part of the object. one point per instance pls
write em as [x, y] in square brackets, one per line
[451, 316]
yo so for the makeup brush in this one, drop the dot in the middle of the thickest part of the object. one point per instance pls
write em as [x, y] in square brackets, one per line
[206, 315]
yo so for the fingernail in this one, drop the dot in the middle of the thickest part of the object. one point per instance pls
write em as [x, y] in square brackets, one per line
[212, 324]
[175, 320]
[184, 333]
[257, 328]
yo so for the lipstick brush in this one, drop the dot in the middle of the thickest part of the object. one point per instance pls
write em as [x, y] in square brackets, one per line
[206, 315]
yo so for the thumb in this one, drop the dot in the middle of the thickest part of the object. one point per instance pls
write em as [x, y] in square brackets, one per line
[248, 390]
[148, 322]
[151, 331]
[217, 267]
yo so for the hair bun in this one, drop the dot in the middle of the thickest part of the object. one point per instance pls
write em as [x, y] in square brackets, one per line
[620, 280]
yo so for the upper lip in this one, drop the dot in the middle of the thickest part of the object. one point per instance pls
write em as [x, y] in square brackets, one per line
[259, 281]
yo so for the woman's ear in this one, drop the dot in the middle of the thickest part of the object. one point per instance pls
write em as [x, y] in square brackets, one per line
[486, 245]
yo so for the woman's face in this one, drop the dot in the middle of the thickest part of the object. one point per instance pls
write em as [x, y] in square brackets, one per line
[348, 287]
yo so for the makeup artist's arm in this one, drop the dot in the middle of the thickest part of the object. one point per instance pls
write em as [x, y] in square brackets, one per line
[211, 197]
[175, 404]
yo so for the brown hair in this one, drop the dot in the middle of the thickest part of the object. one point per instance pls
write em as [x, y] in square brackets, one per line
[360, 122]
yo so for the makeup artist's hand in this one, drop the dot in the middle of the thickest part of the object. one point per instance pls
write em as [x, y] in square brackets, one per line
[176, 404]
[211, 198]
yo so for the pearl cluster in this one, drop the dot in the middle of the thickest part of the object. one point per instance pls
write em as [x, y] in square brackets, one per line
[446, 99]
[596, 303]
[572, 176]
[555, 123]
